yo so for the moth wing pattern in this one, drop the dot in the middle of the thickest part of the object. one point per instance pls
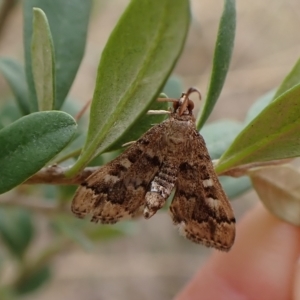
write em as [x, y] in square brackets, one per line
[117, 190]
[169, 155]
[200, 207]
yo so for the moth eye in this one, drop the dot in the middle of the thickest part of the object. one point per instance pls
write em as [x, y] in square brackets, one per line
[175, 105]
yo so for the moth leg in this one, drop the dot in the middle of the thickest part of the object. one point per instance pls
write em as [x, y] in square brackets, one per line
[160, 189]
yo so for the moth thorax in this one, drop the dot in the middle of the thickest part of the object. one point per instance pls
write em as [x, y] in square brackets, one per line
[183, 106]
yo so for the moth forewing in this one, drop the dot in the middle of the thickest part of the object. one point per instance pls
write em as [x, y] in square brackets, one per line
[117, 190]
[200, 207]
[169, 155]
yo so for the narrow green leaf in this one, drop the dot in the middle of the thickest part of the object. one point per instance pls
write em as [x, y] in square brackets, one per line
[30, 142]
[222, 57]
[16, 230]
[43, 61]
[292, 79]
[259, 105]
[142, 124]
[71, 150]
[279, 190]
[14, 73]
[68, 22]
[273, 134]
[137, 60]
[34, 280]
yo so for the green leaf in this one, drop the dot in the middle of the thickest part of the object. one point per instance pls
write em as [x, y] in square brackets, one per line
[137, 60]
[16, 230]
[68, 22]
[219, 135]
[14, 73]
[34, 280]
[279, 190]
[43, 61]
[273, 134]
[222, 57]
[29, 143]
[140, 126]
[292, 79]
[258, 106]
[72, 150]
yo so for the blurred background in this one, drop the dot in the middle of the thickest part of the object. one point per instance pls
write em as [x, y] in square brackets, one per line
[153, 261]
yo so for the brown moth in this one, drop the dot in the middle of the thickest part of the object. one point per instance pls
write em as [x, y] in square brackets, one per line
[169, 155]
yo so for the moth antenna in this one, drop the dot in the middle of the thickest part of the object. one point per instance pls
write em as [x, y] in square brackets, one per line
[186, 104]
[128, 143]
[167, 100]
[193, 90]
[158, 112]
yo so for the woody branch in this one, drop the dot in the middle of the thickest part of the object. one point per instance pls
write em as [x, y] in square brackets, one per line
[56, 175]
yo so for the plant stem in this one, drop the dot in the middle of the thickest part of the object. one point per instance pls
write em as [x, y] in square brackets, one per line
[56, 175]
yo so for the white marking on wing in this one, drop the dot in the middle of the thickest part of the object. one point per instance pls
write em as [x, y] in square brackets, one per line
[207, 182]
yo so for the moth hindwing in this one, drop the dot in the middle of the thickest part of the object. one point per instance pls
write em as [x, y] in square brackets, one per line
[171, 155]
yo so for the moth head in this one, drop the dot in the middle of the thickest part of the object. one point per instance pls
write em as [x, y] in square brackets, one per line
[184, 105]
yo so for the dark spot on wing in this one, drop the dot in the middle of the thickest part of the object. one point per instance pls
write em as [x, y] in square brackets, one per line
[185, 167]
[134, 156]
[117, 170]
[154, 161]
[204, 172]
[210, 192]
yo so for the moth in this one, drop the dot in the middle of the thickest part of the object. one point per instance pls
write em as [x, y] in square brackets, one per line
[171, 155]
